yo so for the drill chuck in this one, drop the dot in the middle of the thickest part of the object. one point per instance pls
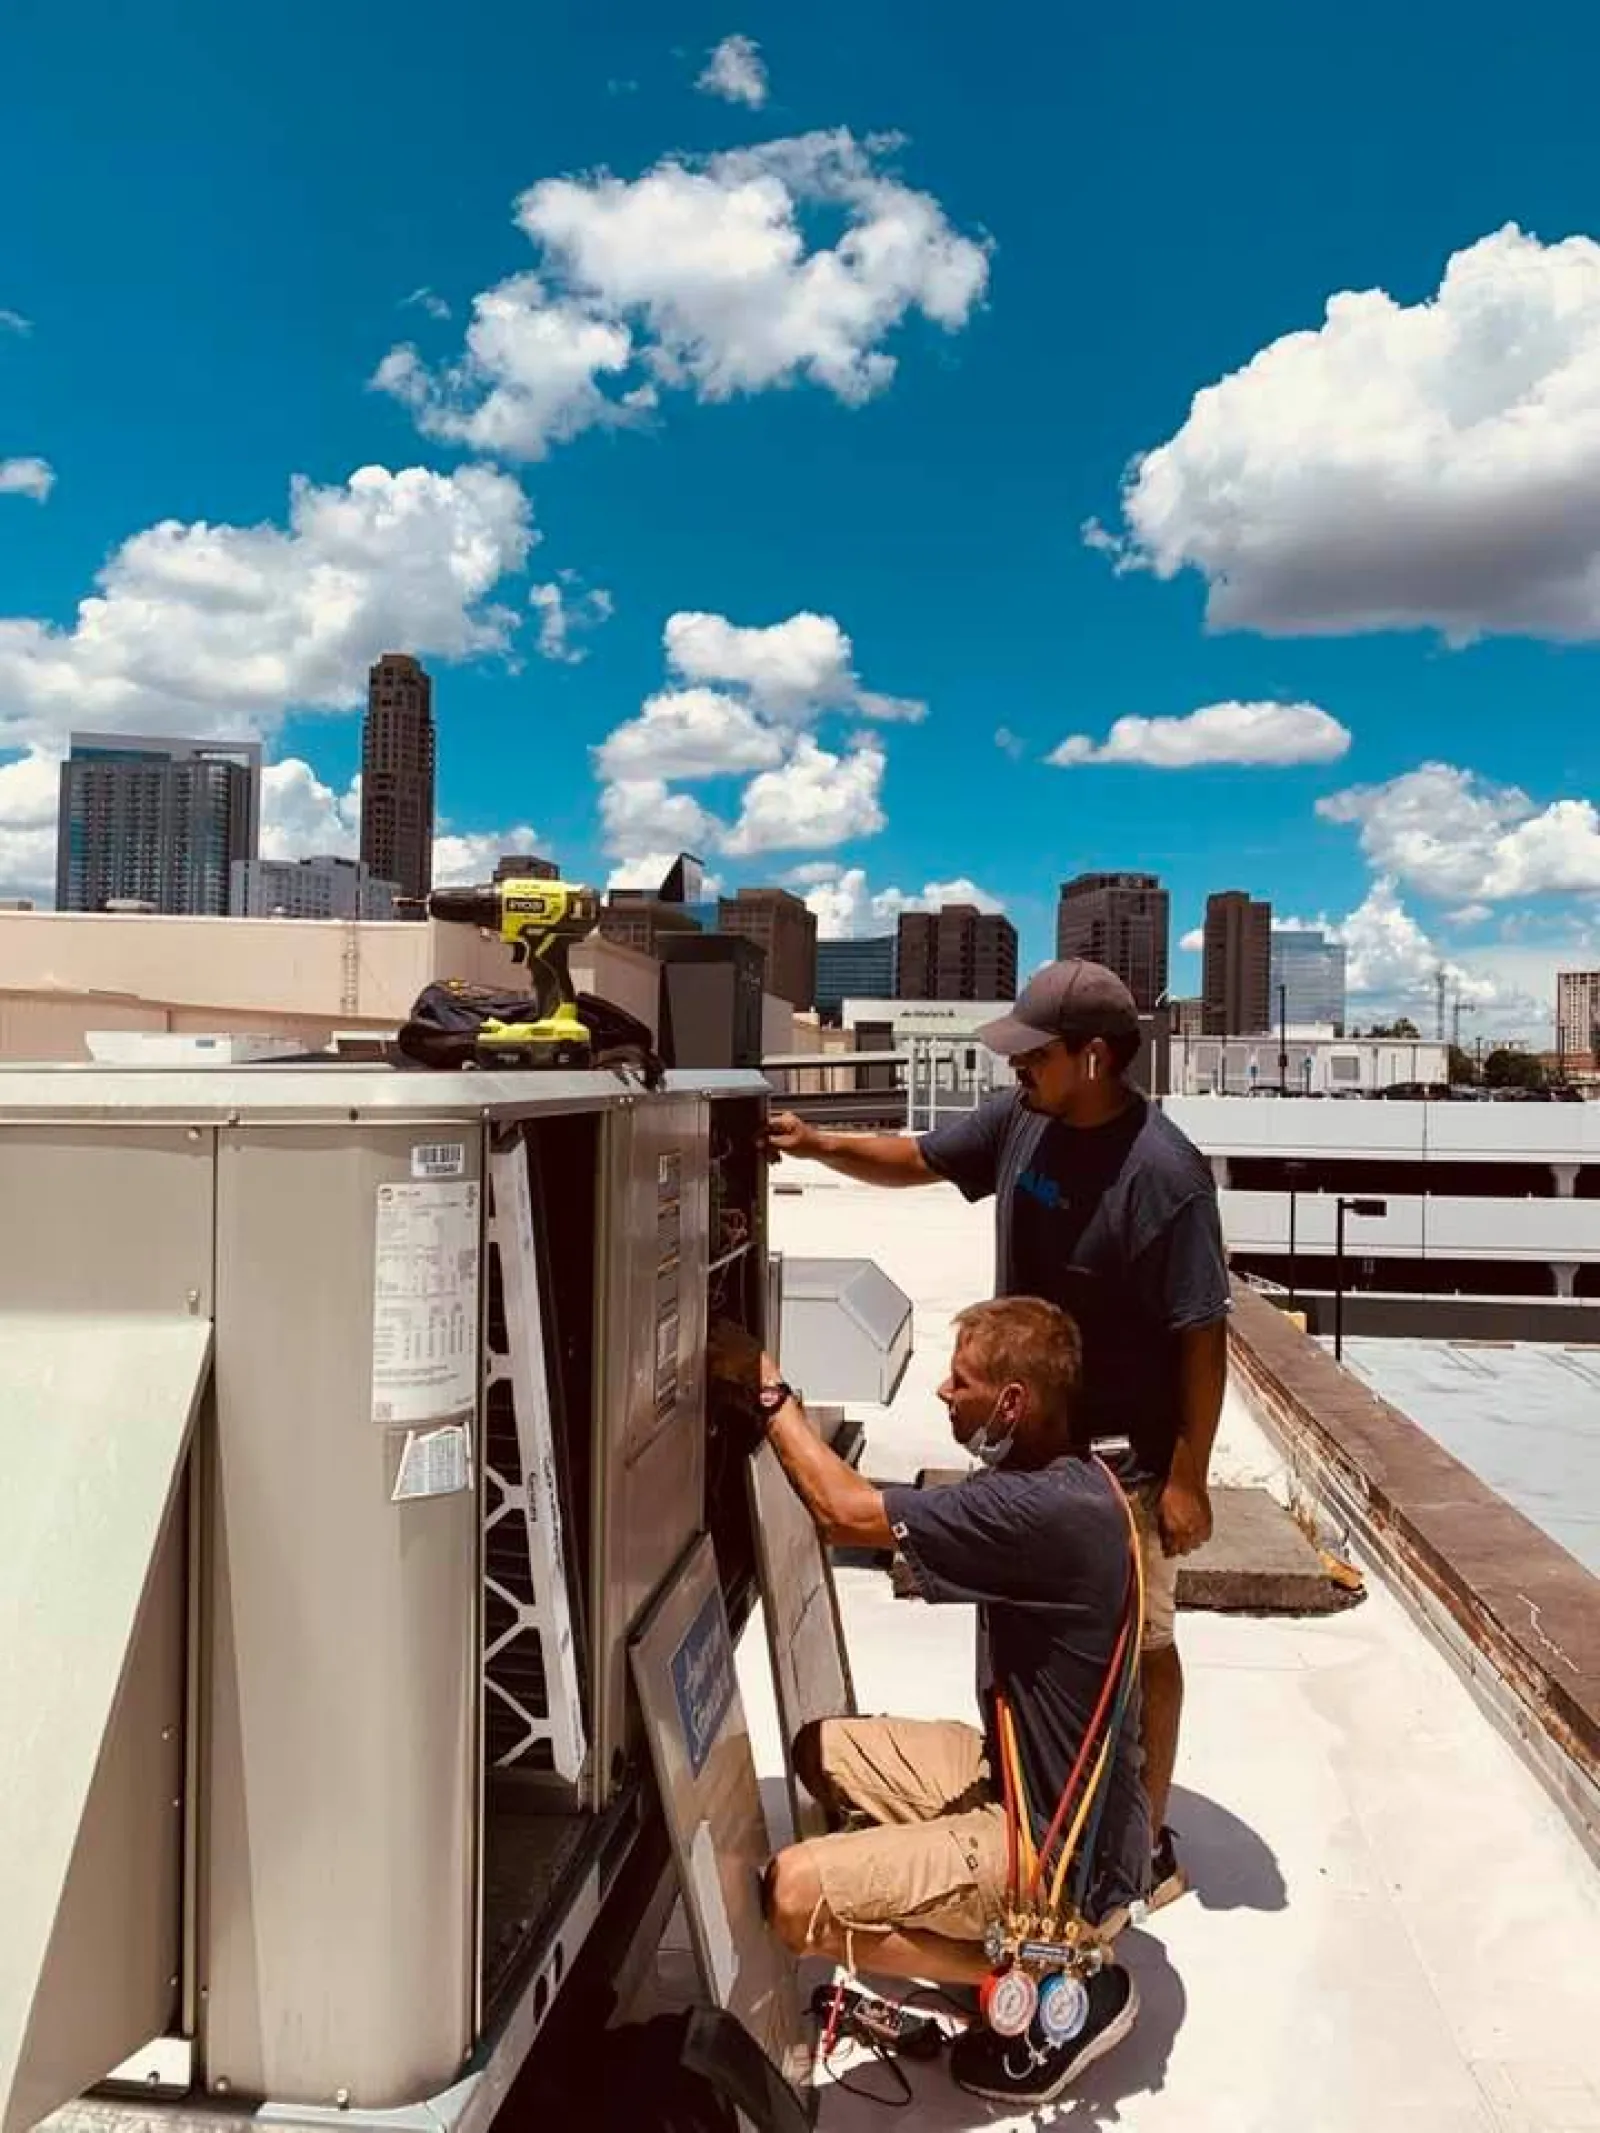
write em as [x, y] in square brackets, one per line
[466, 907]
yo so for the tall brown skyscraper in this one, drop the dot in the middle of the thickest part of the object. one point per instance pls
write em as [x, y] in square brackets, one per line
[1236, 984]
[956, 953]
[1120, 920]
[784, 926]
[397, 774]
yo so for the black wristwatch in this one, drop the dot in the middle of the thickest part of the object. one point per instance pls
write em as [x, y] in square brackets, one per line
[771, 1398]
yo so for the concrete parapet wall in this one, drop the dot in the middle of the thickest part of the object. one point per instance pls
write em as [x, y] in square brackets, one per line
[1396, 1314]
[224, 974]
[1516, 1614]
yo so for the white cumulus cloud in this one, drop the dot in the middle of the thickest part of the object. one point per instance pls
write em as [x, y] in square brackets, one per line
[689, 733]
[462, 857]
[644, 815]
[566, 611]
[1194, 940]
[793, 665]
[527, 379]
[744, 703]
[1393, 964]
[735, 72]
[815, 799]
[1454, 835]
[1271, 734]
[791, 670]
[14, 322]
[302, 818]
[847, 907]
[27, 477]
[218, 630]
[701, 277]
[30, 790]
[1389, 955]
[1425, 465]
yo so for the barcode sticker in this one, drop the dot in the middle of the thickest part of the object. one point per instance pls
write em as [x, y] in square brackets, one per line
[439, 1159]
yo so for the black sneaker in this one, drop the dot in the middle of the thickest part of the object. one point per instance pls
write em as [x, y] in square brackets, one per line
[1168, 1881]
[1028, 2070]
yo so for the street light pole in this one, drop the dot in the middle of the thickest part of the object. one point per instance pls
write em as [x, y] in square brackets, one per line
[1283, 1040]
[1375, 1209]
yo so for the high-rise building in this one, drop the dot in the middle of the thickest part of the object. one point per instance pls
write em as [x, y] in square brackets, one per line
[956, 953]
[637, 918]
[323, 887]
[1307, 982]
[1120, 920]
[1578, 1015]
[786, 928]
[1237, 964]
[156, 820]
[1188, 1017]
[397, 765]
[861, 969]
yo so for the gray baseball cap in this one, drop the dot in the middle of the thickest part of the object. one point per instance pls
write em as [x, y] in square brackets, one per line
[1071, 999]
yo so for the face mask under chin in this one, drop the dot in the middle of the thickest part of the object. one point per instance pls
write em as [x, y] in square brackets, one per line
[988, 1447]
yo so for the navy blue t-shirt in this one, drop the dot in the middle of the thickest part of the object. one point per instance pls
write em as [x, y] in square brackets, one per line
[1046, 1557]
[1116, 1223]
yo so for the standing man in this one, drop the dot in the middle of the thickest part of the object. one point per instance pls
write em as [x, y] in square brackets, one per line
[1104, 1207]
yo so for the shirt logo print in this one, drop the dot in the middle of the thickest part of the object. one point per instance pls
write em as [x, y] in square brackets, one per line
[1041, 1188]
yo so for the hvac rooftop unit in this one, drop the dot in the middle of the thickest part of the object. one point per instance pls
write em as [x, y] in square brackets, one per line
[355, 1418]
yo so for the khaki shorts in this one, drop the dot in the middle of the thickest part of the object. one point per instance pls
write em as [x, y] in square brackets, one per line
[1160, 1575]
[934, 1858]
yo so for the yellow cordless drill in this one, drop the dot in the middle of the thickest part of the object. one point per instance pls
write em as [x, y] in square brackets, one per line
[539, 920]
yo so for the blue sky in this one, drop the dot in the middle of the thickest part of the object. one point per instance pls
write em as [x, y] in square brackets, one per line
[745, 359]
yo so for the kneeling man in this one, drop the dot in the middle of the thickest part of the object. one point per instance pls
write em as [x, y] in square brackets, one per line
[920, 1869]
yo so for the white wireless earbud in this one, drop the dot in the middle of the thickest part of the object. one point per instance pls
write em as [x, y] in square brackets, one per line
[1094, 1066]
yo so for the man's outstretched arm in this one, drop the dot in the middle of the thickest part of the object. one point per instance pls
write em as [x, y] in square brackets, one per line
[868, 1158]
[848, 1510]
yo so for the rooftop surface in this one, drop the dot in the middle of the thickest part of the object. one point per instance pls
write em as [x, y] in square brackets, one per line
[1392, 1925]
[1525, 1417]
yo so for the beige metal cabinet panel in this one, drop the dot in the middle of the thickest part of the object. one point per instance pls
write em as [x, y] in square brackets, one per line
[91, 1690]
[114, 1217]
[338, 1935]
[649, 1494]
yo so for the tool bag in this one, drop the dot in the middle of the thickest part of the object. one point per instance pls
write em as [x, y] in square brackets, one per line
[448, 1016]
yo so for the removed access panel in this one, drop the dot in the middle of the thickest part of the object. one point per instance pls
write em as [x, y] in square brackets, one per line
[846, 1330]
[99, 1412]
[810, 1665]
[683, 1669]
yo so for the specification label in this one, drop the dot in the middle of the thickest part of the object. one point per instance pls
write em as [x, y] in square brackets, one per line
[425, 1302]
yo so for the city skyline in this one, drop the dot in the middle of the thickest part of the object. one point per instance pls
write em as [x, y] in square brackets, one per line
[751, 478]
